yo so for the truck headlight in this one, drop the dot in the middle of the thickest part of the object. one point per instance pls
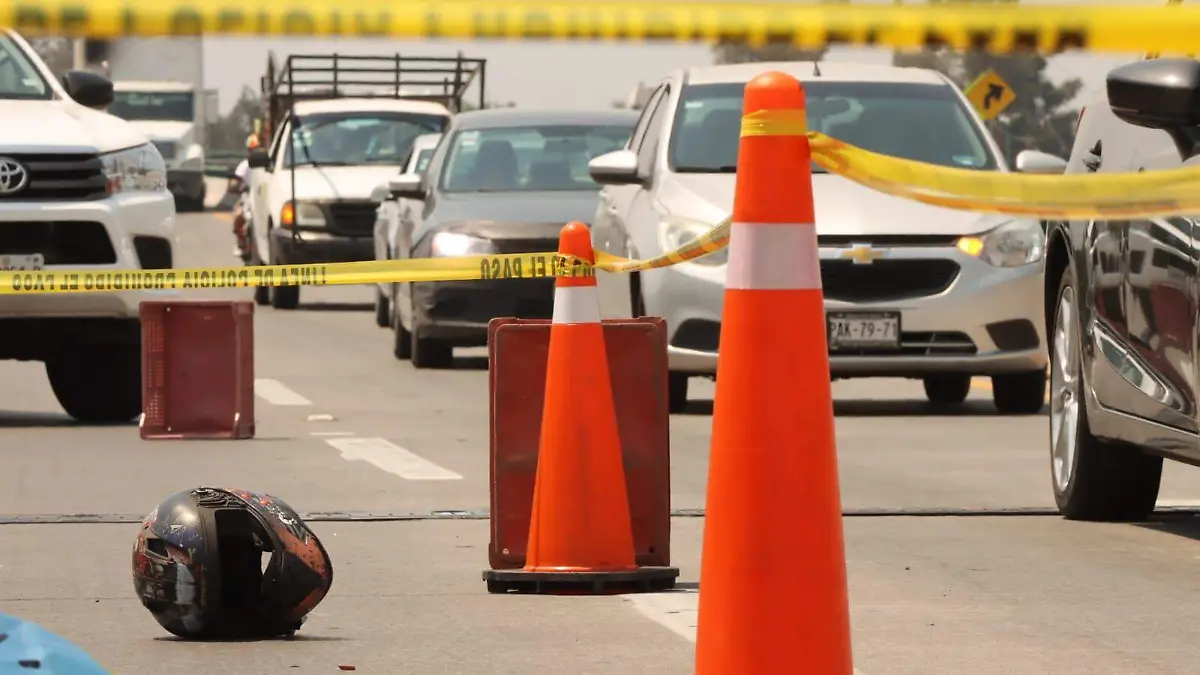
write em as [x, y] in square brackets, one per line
[303, 214]
[1020, 242]
[678, 232]
[139, 169]
[453, 244]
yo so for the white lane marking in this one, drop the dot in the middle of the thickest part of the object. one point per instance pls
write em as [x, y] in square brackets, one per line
[324, 417]
[331, 433]
[675, 610]
[275, 393]
[392, 458]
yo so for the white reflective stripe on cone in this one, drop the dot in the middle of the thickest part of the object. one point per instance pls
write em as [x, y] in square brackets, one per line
[576, 304]
[773, 256]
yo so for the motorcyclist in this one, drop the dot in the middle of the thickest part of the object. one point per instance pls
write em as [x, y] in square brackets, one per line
[241, 210]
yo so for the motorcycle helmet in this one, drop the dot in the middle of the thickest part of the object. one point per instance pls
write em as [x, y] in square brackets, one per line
[28, 649]
[198, 565]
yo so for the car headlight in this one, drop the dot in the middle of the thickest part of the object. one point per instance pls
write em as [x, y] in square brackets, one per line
[453, 244]
[1021, 242]
[139, 169]
[304, 214]
[676, 232]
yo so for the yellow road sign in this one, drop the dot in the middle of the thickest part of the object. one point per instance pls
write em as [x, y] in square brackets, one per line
[990, 94]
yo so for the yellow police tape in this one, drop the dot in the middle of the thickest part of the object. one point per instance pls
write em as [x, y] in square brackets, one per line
[466, 268]
[1169, 192]
[998, 28]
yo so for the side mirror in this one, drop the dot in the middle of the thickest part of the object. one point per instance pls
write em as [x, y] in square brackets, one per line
[1033, 161]
[258, 159]
[1156, 93]
[381, 193]
[88, 89]
[407, 186]
[619, 167]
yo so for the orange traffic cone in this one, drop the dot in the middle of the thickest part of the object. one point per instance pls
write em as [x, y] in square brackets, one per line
[580, 534]
[773, 593]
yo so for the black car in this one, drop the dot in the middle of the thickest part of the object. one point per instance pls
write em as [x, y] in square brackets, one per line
[502, 181]
[1121, 306]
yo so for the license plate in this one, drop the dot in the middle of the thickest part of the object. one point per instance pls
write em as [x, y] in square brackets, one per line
[863, 330]
[22, 263]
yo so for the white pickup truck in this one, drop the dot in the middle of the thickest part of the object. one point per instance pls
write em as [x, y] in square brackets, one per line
[79, 189]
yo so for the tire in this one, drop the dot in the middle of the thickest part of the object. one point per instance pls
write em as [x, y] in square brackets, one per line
[677, 396]
[429, 353]
[948, 389]
[383, 317]
[1019, 393]
[98, 384]
[401, 339]
[283, 297]
[262, 296]
[1092, 479]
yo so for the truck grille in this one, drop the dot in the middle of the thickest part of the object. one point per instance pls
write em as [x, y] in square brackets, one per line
[352, 218]
[60, 178]
[61, 242]
[886, 280]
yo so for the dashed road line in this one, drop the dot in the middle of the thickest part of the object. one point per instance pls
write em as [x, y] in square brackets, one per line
[331, 433]
[275, 393]
[676, 611]
[388, 456]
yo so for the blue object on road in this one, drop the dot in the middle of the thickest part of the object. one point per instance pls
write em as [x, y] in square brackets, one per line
[28, 649]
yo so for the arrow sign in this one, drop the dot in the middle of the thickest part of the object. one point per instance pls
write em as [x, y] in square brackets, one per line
[994, 93]
[990, 94]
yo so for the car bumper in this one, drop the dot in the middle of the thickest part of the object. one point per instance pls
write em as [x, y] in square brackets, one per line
[988, 321]
[459, 311]
[308, 247]
[140, 228]
[187, 183]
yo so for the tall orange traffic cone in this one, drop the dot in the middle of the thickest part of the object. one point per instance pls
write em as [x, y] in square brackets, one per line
[773, 593]
[580, 533]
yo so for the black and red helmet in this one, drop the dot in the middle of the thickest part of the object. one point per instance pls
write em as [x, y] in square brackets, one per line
[198, 565]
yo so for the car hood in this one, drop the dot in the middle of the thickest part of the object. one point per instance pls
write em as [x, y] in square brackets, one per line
[159, 130]
[511, 215]
[842, 207]
[62, 126]
[324, 183]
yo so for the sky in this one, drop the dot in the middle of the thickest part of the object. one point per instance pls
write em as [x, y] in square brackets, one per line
[563, 75]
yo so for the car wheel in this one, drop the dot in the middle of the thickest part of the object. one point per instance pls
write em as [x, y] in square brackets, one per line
[383, 317]
[677, 392]
[262, 294]
[949, 389]
[1019, 393]
[78, 376]
[429, 353]
[1092, 480]
[401, 339]
[283, 297]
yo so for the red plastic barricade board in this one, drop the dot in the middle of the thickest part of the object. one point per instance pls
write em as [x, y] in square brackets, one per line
[637, 361]
[197, 369]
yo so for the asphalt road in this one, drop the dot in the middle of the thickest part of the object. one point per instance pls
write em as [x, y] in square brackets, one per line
[981, 591]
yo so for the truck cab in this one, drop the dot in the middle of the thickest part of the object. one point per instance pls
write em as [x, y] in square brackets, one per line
[172, 115]
[338, 132]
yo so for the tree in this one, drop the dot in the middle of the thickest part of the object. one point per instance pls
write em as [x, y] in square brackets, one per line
[230, 132]
[57, 52]
[737, 52]
[1039, 117]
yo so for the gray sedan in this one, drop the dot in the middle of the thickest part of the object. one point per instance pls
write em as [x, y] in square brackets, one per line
[501, 181]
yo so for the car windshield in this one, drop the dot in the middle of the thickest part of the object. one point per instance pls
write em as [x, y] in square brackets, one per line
[157, 106]
[920, 122]
[358, 139]
[19, 78]
[528, 159]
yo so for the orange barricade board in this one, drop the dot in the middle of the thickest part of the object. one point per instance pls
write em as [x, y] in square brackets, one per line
[197, 369]
[637, 359]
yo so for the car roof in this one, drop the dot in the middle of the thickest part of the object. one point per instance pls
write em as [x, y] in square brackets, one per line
[148, 86]
[810, 71]
[348, 105]
[494, 118]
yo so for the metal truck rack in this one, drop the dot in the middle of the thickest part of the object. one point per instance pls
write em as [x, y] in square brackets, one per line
[311, 77]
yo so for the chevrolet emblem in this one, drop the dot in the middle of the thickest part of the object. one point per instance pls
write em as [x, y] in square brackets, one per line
[861, 254]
